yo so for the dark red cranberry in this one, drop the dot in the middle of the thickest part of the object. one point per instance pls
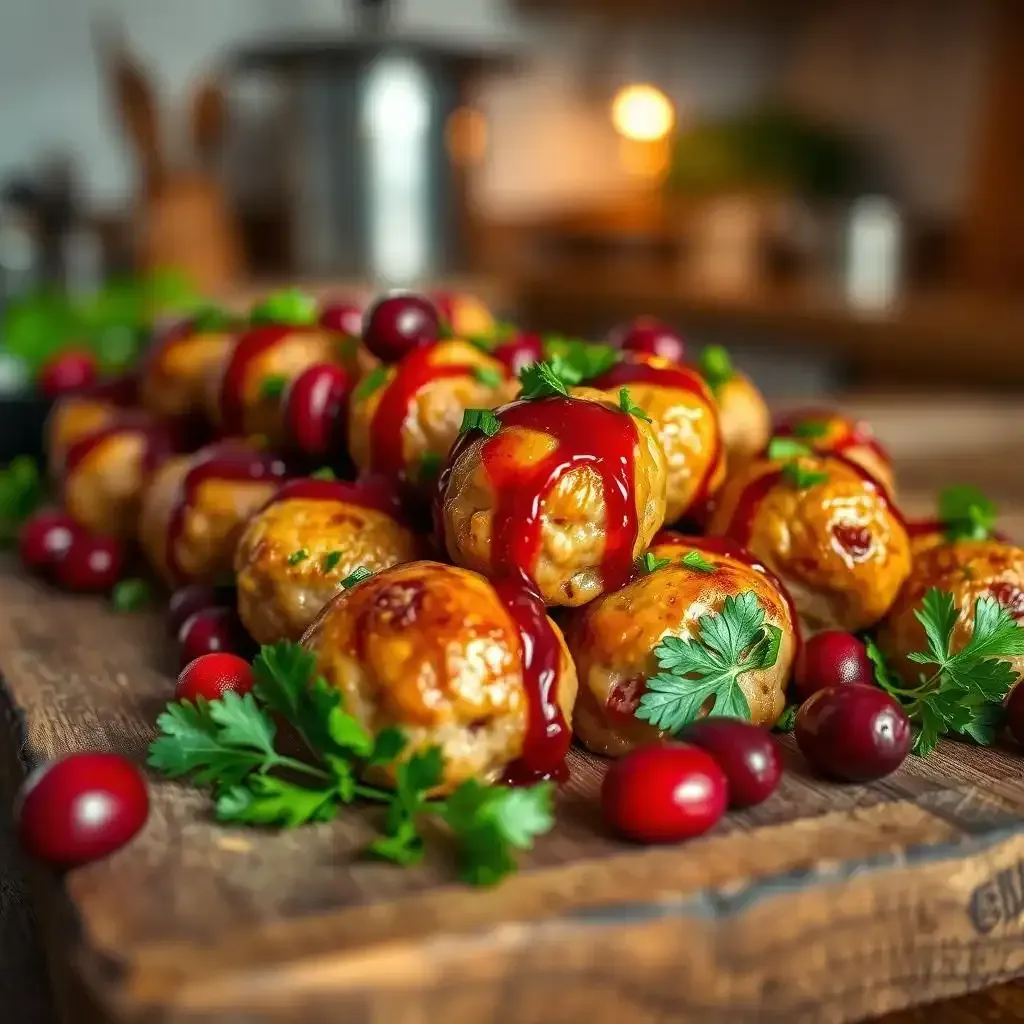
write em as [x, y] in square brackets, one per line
[853, 732]
[46, 539]
[315, 409]
[342, 318]
[189, 599]
[747, 754]
[213, 675]
[67, 371]
[81, 808]
[397, 324]
[832, 658]
[209, 631]
[520, 351]
[1015, 713]
[664, 793]
[92, 564]
[651, 338]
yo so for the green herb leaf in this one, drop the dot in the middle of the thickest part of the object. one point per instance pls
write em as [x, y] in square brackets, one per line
[429, 467]
[212, 320]
[376, 378]
[539, 380]
[390, 742]
[707, 668]
[801, 478]
[357, 575]
[786, 722]
[487, 376]
[781, 449]
[810, 429]
[298, 556]
[715, 366]
[966, 513]
[290, 307]
[22, 491]
[696, 561]
[628, 407]
[324, 473]
[330, 560]
[480, 419]
[273, 386]
[132, 594]
[575, 361]
[649, 562]
[267, 800]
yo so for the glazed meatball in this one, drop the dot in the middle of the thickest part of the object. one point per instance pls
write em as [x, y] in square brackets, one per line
[195, 507]
[104, 472]
[404, 418]
[832, 433]
[969, 570]
[744, 417]
[826, 529]
[452, 661]
[463, 314]
[71, 419]
[613, 641]
[243, 391]
[685, 420]
[565, 495]
[293, 555]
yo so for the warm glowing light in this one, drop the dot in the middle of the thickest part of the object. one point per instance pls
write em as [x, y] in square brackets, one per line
[648, 160]
[643, 113]
[465, 136]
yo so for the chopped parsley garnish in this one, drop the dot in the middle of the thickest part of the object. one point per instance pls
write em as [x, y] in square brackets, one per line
[330, 560]
[810, 429]
[696, 561]
[782, 448]
[801, 478]
[628, 407]
[212, 320]
[376, 378]
[232, 745]
[962, 692]
[966, 513]
[323, 473]
[429, 467]
[357, 575]
[273, 386]
[22, 491]
[790, 450]
[290, 307]
[298, 556]
[715, 366]
[130, 595]
[575, 361]
[707, 667]
[539, 380]
[488, 376]
[480, 419]
[786, 722]
[649, 562]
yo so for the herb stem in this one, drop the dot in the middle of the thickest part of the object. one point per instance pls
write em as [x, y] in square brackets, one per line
[372, 793]
[295, 765]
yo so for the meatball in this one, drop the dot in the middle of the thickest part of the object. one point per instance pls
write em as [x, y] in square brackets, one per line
[565, 495]
[969, 570]
[71, 419]
[464, 314]
[243, 392]
[293, 555]
[832, 433]
[404, 418]
[613, 642]
[685, 420]
[454, 662]
[826, 529]
[104, 472]
[195, 508]
[744, 417]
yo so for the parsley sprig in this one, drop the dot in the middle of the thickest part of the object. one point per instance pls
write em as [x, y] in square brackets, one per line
[963, 691]
[541, 380]
[966, 513]
[627, 406]
[576, 361]
[231, 745]
[716, 366]
[705, 669]
[22, 491]
[273, 386]
[790, 451]
[290, 306]
[480, 419]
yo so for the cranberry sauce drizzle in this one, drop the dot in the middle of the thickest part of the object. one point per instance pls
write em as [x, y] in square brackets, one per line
[229, 461]
[682, 378]
[159, 441]
[377, 495]
[854, 433]
[547, 734]
[249, 346]
[413, 372]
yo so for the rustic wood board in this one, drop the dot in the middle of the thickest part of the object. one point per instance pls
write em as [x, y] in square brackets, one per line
[828, 903]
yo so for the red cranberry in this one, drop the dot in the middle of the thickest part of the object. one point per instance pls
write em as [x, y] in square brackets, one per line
[209, 631]
[213, 675]
[832, 658]
[1015, 713]
[652, 338]
[46, 539]
[853, 732]
[81, 808]
[396, 324]
[92, 564]
[315, 409]
[67, 371]
[520, 351]
[748, 756]
[187, 600]
[342, 318]
[664, 793]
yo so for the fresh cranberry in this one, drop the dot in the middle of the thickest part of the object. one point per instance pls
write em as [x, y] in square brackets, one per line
[92, 564]
[46, 539]
[209, 631]
[315, 409]
[342, 318]
[853, 732]
[651, 338]
[189, 599]
[1015, 713]
[748, 756]
[81, 808]
[664, 793]
[396, 324]
[520, 351]
[67, 371]
[213, 675]
[832, 658]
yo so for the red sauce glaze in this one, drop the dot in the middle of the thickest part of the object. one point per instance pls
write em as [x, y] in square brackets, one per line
[1010, 596]
[681, 378]
[414, 372]
[249, 346]
[230, 461]
[547, 734]
[377, 495]
[855, 433]
[158, 438]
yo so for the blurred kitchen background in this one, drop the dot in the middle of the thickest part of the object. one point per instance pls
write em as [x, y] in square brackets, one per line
[833, 189]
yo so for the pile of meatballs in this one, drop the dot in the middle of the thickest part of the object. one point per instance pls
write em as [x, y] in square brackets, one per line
[505, 525]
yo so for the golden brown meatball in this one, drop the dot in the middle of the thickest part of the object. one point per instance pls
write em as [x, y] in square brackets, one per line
[745, 420]
[613, 642]
[175, 370]
[404, 418]
[566, 494]
[826, 529]
[293, 555]
[464, 314]
[685, 420]
[195, 507]
[440, 653]
[829, 432]
[243, 392]
[71, 419]
[969, 570]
